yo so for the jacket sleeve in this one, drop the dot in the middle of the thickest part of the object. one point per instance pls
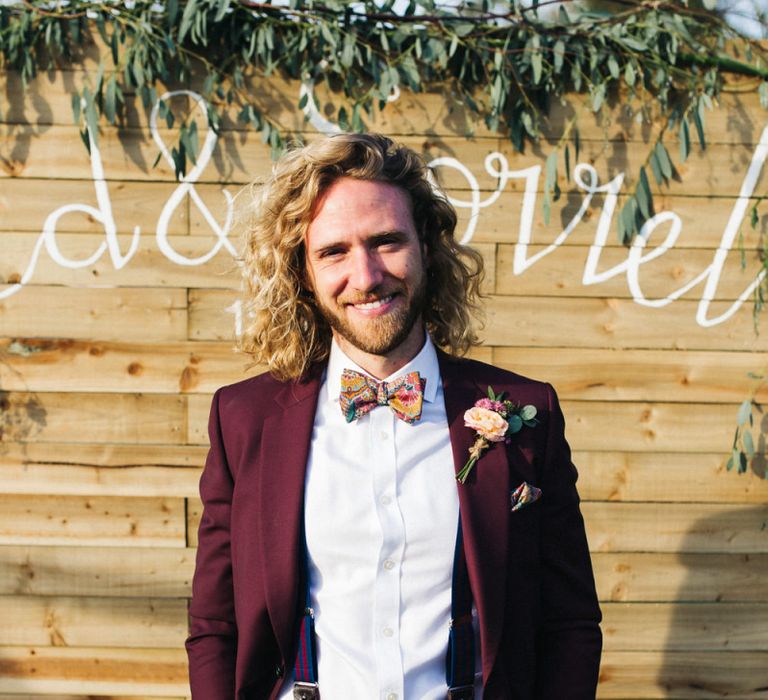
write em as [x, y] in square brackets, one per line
[212, 642]
[570, 641]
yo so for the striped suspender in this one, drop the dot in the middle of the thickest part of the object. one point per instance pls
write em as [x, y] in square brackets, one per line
[305, 668]
[460, 657]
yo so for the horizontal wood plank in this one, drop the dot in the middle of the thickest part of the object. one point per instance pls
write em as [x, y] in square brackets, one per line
[132, 204]
[95, 313]
[535, 322]
[560, 273]
[652, 427]
[212, 315]
[55, 365]
[663, 577]
[703, 221]
[685, 626]
[149, 267]
[198, 410]
[676, 527]
[94, 671]
[80, 469]
[92, 521]
[691, 376]
[93, 622]
[91, 418]
[687, 675]
[135, 572]
[666, 477]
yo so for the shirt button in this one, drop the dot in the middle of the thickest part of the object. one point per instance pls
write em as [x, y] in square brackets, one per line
[389, 564]
[391, 696]
[383, 435]
[385, 500]
[387, 632]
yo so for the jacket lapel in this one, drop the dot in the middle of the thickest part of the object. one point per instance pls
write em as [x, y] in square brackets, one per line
[285, 446]
[484, 506]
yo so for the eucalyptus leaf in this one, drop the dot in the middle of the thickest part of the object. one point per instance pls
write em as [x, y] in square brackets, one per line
[699, 124]
[664, 160]
[558, 54]
[576, 143]
[221, 10]
[537, 65]
[110, 100]
[644, 196]
[187, 19]
[629, 74]
[528, 412]
[76, 107]
[685, 140]
[613, 67]
[550, 170]
[656, 169]
[745, 411]
[749, 445]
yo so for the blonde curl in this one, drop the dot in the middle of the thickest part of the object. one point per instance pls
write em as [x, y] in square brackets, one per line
[283, 328]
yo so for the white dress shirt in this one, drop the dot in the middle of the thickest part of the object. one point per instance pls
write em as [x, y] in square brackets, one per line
[381, 515]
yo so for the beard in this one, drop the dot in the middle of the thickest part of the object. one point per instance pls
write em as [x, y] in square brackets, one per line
[382, 334]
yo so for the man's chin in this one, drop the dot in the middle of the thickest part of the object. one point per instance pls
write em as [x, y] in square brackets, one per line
[377, 336]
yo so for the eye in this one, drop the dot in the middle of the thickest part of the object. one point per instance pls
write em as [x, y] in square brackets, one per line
[327, 253]
[390, 239]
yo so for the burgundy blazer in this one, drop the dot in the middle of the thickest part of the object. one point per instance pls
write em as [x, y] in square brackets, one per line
[529, 570]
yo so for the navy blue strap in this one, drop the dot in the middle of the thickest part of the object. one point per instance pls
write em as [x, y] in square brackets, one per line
[305, 667]
[460, 659]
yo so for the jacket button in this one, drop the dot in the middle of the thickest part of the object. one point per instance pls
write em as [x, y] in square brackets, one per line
[279, 671]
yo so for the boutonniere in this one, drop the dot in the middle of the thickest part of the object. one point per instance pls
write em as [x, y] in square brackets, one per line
[495, 420]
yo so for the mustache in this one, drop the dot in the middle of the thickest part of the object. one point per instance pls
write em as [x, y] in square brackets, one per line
[368, 298]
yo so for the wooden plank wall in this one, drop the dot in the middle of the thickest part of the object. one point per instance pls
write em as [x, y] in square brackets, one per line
[106, 373]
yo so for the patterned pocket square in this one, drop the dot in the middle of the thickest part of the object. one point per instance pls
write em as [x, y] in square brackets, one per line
[524, 495]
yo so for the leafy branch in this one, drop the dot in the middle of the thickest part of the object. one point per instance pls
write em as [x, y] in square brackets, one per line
[506, 66]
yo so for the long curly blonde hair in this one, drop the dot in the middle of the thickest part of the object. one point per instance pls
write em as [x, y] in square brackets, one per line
[283, 328]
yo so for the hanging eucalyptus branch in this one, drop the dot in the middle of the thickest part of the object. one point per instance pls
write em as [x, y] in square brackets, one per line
[507, 66]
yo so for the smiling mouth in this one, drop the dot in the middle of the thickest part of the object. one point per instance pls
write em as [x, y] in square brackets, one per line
[374, 304]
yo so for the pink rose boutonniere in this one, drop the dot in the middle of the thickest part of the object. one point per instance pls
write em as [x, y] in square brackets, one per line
[495, 420]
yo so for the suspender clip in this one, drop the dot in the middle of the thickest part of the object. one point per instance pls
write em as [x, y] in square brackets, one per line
[461, 692]
[306, 691]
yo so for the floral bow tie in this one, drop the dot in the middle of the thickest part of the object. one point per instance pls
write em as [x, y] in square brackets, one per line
[361, 394]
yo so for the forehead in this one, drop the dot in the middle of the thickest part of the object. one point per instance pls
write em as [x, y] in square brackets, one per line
[350, 206]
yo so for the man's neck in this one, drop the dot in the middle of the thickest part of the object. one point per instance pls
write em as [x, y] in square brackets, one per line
[381, 366]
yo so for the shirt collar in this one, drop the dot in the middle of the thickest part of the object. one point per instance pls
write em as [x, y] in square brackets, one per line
[425, 363]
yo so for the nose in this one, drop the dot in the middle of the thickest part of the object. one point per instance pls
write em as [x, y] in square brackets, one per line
[366, 272]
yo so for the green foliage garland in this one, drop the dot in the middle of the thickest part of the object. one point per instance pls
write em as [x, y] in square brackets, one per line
[505, 66]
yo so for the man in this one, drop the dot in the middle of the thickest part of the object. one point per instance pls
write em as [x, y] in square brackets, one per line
[338, 554]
